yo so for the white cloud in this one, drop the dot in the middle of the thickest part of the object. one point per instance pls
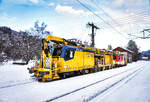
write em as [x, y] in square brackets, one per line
[12, 22]
[120, 3]
[9, 21]
[5, 17]
[71, 10]
[51, 4]
[15, 1]
[23, 1]
[68, 9]
[35, 1]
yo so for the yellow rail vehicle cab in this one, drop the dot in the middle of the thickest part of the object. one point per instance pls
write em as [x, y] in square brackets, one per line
[66, 59]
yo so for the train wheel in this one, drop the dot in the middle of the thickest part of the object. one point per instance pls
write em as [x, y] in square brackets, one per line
[77, 73]
[83, 72]
[96, 69]
[39, 80]
[64, 75]
[43, 80]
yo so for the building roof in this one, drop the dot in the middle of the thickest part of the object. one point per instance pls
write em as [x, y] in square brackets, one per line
[122, 50]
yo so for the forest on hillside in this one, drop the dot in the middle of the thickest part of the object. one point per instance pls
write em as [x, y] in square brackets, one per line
[18, 45]
[23, 44]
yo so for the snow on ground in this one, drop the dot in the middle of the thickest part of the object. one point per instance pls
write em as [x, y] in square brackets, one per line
[136, 89]
[11, 73]
[91, 92]
[38, 91]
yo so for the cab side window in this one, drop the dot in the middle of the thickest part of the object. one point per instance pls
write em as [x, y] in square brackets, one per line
[69, 54]
[114, 57]
[118, 58]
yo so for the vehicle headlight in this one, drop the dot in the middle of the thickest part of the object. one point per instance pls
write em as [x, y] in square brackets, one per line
[65, 66]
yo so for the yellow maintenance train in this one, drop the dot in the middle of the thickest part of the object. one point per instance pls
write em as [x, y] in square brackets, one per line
[61, 58]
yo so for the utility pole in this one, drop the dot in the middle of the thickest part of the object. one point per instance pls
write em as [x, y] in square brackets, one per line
[93, 34]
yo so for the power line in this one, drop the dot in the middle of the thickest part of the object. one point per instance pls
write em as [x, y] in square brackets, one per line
[100, 8]
[100, 18]
[120, 19]
[106, 14]
[142, 15]
[135, 15]
[126, 22]
[127, 19]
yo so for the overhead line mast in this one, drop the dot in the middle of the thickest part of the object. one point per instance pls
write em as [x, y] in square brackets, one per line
[93, 34]
[144, 34]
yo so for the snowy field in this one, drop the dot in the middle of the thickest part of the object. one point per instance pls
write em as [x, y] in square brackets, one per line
[130, 83]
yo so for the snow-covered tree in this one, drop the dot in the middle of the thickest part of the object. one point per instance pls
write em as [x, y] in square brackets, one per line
[109, 47]
[39, 30]
[133, 47]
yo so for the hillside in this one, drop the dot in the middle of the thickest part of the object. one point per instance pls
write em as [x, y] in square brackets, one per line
[18, 45]
[146, 52]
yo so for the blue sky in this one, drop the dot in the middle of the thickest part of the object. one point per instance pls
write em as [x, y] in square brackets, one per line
[68, 19]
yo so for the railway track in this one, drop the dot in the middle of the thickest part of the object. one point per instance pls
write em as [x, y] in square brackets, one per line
[97, 82]
[16, 83]
[100, 92]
